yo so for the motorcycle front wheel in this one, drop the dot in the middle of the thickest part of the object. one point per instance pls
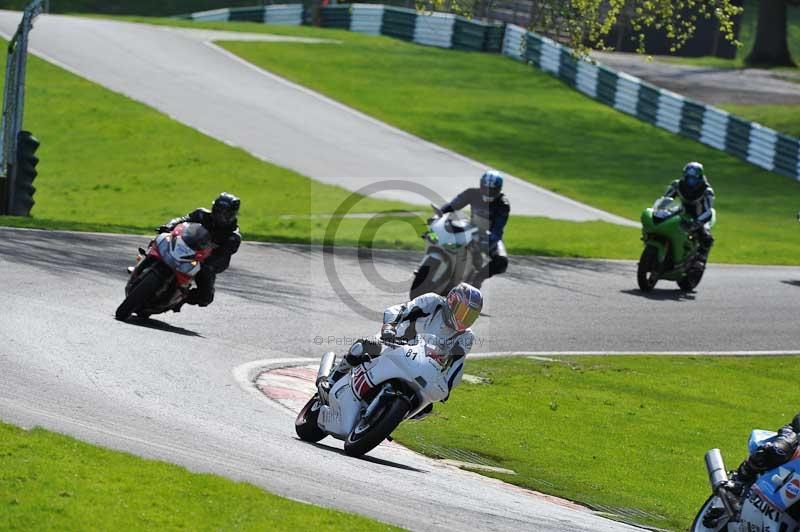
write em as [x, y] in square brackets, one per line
[141, 294]
[366, 436]
[697, 525]
[647, 272]
[689, 282]
[306, 425]
[422, 283]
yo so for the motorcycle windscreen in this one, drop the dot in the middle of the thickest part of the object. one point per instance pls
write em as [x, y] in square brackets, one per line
[666, 208]
[196, 237]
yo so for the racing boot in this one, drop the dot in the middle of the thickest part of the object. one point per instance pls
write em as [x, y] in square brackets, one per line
[361, 351]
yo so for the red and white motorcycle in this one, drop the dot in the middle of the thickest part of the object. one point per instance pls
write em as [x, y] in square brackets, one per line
[163, 275]
[364, 407]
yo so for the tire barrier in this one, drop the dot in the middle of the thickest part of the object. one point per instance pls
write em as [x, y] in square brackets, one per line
[749, 141]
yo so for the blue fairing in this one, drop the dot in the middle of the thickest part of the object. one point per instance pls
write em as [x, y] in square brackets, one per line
[781, 485]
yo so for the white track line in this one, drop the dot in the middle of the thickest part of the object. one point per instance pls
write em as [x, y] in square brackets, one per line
[498, 354]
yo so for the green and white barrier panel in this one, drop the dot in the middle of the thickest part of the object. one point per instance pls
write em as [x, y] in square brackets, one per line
[444, 30]
[714, 127]
[290, 14]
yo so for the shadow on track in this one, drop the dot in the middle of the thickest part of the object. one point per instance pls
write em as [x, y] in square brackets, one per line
[158, 325]
[793, 282]
[662, 295]
[368, 458]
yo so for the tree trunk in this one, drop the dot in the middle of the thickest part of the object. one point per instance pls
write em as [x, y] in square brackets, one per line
[771, 47]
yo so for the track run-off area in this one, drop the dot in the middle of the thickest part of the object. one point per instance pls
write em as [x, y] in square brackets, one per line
[176, 387]
[206, 87]
[180, 387]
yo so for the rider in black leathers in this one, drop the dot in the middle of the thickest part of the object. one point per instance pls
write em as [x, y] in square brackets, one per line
[221, 221]
[490, 210]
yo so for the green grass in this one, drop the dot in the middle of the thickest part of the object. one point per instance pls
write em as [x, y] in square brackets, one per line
[53, 482]
[626, 432]
[783, 118]
[110, 163]
[510, 116]
[103, 169]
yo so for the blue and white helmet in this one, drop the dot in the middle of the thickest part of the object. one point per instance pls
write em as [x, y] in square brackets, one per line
[491, 185]
[464, 304]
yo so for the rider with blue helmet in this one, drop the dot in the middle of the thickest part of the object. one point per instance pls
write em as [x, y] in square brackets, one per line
[490, 210]
[697, 198]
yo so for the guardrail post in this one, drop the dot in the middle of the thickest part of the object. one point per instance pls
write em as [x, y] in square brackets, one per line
[14, 104]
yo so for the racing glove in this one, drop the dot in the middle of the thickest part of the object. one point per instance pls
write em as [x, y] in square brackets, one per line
[388, 333]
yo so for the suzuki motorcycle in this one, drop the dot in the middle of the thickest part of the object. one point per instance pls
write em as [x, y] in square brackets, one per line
[365, 406]
[770, 504]
[163, 275]
[670, 250]
[452, 255]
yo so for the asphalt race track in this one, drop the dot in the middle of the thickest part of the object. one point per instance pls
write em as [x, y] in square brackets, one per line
[207, 88]
[172, 388]
[165, 388]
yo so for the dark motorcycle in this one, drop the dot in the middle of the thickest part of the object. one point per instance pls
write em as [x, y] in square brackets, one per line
[163, 275]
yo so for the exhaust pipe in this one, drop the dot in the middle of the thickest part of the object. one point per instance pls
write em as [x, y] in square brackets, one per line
[718, 478]
[717, 474]
[325, 366]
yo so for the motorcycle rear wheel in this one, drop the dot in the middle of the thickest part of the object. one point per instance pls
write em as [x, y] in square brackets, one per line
[140, 295]
[647, 272]
[306, 425]
[363, 439]
[697, 524]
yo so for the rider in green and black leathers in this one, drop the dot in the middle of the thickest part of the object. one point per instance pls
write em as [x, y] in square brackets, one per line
[223, 224]
[697, 197]
[490, 210]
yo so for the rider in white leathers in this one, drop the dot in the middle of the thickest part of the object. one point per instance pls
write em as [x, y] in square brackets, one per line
[447, 318]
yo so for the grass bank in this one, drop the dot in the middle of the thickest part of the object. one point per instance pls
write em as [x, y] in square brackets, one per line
[512, 117]
[53, 482]
[104, 169]
[515, 118]
[616, 433]
[783, 118]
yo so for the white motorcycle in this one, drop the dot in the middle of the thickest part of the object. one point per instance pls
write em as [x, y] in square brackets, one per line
[453, 255]
[769, 505]
[365, 406]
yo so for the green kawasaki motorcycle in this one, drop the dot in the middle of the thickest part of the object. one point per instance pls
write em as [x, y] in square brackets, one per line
[670, 251]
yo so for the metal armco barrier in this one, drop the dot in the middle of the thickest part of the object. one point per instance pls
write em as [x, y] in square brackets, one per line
[714, 127]
[14, 105]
